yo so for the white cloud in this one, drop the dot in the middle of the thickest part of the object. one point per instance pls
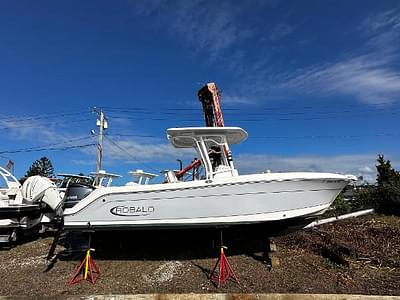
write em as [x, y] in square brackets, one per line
[142, 152]
[208, 26]
[39, 133]
[37, 130]
[370, 73]
[130, 150]
[21, 129]
[366, 170]
[367, 77]
[389, 19]
[235, 99]
[358, 165]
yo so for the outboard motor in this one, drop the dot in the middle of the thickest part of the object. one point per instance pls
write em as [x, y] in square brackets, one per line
[38, 189]
[75, 193]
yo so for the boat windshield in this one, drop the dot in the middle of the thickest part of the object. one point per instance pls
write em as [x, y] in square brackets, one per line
[7, 180]
[69, 179]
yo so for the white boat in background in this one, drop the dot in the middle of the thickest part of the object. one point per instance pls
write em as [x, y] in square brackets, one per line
[221, 197]
[73, 187]
[24, 207]
[39, 200]
[11, 185]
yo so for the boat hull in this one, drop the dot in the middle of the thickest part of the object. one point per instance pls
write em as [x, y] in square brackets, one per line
[251, 199]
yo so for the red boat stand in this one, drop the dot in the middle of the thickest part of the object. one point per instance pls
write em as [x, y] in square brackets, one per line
[225, 271]
[87, 270]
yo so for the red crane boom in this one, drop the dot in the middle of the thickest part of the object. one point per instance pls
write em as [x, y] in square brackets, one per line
[209, 98]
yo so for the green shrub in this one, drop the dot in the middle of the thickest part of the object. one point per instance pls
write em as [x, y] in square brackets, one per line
[364, 198]
[341, 205]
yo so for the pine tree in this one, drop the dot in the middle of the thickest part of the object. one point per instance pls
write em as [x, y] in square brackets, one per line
[42, 167]
[388, 189]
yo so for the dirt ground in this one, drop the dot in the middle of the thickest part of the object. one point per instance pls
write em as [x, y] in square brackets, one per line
[355, 256]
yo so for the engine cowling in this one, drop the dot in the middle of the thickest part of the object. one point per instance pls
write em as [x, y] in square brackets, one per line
[41, 189]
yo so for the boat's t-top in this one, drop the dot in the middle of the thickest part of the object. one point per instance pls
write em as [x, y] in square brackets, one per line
[212, 146]
[140, 177]
[103, 179]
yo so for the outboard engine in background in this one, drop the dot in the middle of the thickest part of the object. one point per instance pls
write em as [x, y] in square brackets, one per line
[75, 193]
[36, 202]
[41, 189]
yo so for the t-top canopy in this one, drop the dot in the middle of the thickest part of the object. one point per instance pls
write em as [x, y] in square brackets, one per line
[102, 173]
[9, 179]
[186, 137]
[139, 172]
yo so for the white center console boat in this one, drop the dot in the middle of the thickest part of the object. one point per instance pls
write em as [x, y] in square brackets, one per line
[220, 198]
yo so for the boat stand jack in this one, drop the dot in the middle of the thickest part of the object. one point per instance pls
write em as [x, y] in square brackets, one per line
[270, 254]
[87, 270]
[222, 270]
[51, 257]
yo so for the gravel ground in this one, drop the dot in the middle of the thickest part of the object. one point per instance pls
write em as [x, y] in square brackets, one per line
[355, 256]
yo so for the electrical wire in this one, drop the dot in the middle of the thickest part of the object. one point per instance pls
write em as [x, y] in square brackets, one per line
[262, 117]
[328, 136]
[44, 147]
[128, 153]
[380, 105]
[134, 135]
[45, 116]
[255, 113]
[16, 126]
[349, 136]
[244, 116]
[49, 149]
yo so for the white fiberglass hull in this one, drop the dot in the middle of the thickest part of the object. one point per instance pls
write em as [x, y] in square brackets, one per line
[247, 199]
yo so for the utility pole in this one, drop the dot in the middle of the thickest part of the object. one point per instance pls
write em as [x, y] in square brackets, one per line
[102, 124]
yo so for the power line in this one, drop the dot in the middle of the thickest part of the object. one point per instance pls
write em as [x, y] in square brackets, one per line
[258, 112]
[50, 149]
[146, 110]
[8, 127]
[160, 116]
[175, 111]
[45, 116]
[233, 113]
[356, 115]
[142, 109]
[327, 136]
[130, 155]
[343, 136]
[134, 135]
[44, 147]
[265, 119]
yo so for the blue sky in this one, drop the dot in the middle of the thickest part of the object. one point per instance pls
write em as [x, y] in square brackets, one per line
[315, 83]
